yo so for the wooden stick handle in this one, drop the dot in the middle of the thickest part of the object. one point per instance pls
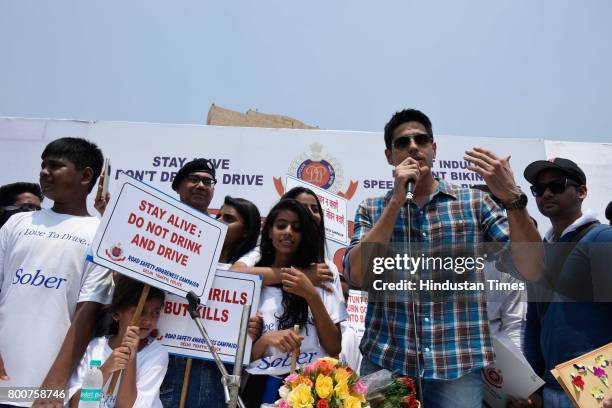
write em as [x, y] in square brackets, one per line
[296, 352]
[185, 382]
[135, 320]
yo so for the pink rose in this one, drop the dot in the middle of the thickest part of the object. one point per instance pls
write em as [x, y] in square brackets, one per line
[310, 369]
[291, 378]
[283, 404]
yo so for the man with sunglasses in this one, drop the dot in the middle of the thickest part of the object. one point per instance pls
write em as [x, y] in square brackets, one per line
[454, 334]
[18, 197]
[573, 317]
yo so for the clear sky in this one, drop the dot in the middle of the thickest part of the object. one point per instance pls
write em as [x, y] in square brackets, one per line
[511, 68]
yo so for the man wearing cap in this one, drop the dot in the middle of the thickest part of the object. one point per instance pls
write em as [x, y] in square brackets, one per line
[195, 184]
[454, 340]
[572, 316]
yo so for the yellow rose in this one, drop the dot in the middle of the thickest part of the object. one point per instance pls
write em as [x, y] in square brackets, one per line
[352, 402]
[342, 390]
[324, 386]
[300, 397]
[341, 375]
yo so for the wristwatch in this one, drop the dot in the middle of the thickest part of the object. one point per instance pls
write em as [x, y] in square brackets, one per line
[517, 204]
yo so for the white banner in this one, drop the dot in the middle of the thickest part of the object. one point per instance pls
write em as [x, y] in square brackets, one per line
[221, 318]
[252, 162]
[158, 240]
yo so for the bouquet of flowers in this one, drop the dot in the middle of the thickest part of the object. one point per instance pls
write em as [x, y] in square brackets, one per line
[325, 383]
[401, 394]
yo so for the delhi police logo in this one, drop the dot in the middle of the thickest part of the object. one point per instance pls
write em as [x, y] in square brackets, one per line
[322, 171]
[493, 376]
[115, 253]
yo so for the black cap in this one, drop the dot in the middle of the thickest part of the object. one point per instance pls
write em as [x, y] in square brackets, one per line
[609, 211]
[193, 166]
[568, 167]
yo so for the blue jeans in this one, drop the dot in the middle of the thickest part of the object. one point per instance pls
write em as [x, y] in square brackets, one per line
[554, 398]
[205, 388]
[464, 392]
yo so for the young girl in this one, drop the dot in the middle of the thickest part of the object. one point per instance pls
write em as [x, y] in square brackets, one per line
[322, 272]
[243, 223]
[289, 240]
[205, 389]
[129, 348]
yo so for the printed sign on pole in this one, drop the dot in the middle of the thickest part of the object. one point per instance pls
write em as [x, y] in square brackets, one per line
[158, 240]
[221, 317]
[334, 210]
[357, 306]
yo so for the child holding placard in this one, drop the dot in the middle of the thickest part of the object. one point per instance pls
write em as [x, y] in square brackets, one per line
[130, 349]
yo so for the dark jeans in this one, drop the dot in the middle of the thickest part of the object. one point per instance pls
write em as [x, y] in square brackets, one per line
[205, 388]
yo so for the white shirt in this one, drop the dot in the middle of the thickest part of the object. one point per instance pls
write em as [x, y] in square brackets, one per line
[350, 347]
[151, 366]
[506, 309]
[587, 217]
[43, 275]
[275, 362]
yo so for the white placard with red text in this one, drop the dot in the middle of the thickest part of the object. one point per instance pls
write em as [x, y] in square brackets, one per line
[221, 317]
[158, 240]
[357, 306]
[334, 210]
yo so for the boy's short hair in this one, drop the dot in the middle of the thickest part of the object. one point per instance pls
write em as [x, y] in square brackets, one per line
[9, 192]
[404, 116]
[82, 153]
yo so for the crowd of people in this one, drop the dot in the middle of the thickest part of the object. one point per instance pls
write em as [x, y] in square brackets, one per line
[58, 311]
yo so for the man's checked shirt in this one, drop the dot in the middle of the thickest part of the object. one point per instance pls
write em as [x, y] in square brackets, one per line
[453, 333]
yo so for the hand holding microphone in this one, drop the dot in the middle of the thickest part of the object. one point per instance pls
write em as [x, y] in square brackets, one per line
[406, 175]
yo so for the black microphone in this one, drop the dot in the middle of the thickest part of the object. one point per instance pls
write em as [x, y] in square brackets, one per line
[410, 189]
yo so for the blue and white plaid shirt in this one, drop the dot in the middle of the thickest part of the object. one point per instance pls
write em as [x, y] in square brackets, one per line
[454, 334]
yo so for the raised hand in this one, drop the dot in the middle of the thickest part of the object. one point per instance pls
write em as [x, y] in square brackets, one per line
[495, 171]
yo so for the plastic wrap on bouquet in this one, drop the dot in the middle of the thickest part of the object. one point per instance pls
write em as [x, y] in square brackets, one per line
[387, 391]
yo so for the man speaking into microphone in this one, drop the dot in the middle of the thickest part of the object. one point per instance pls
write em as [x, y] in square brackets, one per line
[453, 335]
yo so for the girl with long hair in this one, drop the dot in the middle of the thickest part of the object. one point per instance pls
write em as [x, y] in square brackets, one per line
[290, 240]
[322, 272]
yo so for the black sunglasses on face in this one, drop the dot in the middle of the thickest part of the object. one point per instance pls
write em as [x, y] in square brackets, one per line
[555, 187]
[420, 139]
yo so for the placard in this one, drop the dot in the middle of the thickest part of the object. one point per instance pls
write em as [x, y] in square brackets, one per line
[509, 375]
[158, 240]
[221, 318]
[334, 210]
[586, 379]
[357, 306]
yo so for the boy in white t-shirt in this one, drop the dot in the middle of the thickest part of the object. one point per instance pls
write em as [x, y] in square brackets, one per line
[49, 293]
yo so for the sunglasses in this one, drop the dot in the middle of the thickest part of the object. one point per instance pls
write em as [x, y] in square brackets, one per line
[21, 208]
[420, 139]
[555, 187]
[195, 180]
